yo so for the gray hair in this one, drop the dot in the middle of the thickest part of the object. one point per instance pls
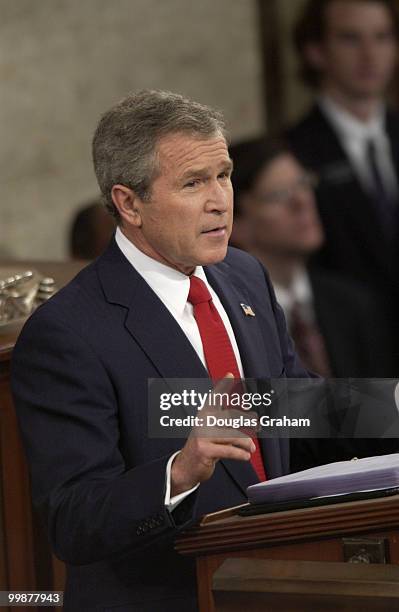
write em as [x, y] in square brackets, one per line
[125, 141]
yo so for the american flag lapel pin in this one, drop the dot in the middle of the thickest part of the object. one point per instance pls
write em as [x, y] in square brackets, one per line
[247, 310]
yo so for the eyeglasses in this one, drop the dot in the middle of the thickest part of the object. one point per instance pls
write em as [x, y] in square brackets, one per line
[306, 182]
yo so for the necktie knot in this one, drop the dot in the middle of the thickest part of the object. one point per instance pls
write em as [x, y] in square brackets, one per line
[198, 293]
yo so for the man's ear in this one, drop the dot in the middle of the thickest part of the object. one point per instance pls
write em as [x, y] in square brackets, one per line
[128, 205]
[314, 54]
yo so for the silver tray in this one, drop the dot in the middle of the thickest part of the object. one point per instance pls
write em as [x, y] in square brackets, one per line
[17, 302]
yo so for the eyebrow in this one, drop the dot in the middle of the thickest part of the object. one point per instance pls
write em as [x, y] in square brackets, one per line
[203, 172]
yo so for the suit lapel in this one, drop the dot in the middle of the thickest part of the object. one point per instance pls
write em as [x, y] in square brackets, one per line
[161, 338]
[148, 320]
[358, 209]
[251, 346]
[246, 328]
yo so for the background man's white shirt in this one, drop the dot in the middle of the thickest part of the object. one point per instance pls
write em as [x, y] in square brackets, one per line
[354, 136]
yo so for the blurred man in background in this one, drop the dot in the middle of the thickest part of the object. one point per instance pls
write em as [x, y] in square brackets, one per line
[339, 328]
[332, 320]
[348, 51]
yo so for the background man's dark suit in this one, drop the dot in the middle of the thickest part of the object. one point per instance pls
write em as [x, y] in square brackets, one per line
[359, 345]
[353, 324]
[80, 372]
[355, 244]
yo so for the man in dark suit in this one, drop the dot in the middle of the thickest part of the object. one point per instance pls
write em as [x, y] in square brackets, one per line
[114, 498]
[348, 52]
[338, 327]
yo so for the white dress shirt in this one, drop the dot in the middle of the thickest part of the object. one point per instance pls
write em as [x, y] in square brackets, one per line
[172, 288]
[354, 136]
[299, 293]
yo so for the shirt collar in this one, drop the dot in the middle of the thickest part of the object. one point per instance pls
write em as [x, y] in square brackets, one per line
[171, 286]
[348, 126]
[299, 292]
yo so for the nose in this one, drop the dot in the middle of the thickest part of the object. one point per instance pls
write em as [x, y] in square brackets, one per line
[303, 200]
[219, 198]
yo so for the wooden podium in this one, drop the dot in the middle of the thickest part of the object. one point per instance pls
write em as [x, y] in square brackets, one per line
[336, 557]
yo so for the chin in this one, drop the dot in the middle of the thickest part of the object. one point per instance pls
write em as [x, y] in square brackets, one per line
[368, 90]
[215, 256]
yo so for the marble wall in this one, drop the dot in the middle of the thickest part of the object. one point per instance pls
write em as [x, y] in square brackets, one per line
[63, 62]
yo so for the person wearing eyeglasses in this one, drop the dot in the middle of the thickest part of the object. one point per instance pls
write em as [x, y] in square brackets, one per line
[339, 329]
[331, 319]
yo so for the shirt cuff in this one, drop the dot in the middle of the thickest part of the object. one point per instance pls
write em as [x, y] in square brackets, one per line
[172, 502]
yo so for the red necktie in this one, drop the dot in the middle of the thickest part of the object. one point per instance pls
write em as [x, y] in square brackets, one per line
[219, 354]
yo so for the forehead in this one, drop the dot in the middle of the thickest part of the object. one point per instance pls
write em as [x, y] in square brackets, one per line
[359, 13]
[181, 152]
[280, 171]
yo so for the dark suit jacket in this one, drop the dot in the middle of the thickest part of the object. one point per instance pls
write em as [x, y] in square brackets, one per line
[359, 345]
[353, 323]
[355, 244]
[80, 371]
